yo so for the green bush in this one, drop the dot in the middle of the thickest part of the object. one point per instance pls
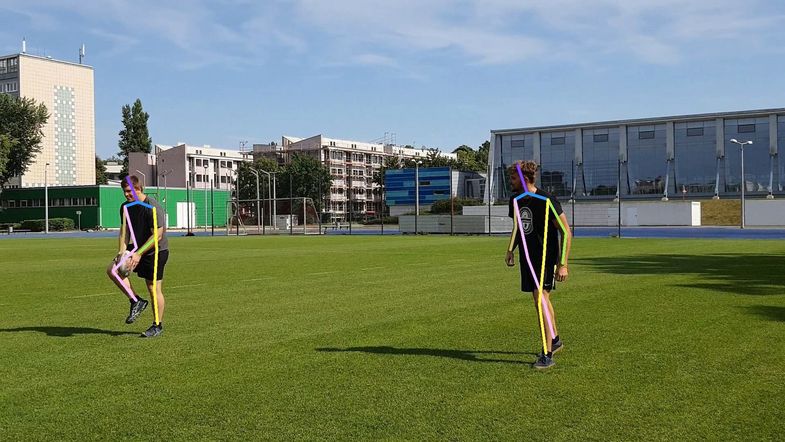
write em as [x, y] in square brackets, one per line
[56, 224]
[387, 220]
[443, 206]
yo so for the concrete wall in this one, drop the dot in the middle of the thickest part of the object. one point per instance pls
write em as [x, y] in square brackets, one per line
[765, 213]
[634, 213]
[461, 224]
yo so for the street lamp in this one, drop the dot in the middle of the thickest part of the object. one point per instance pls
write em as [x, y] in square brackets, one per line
[46, 197]
[205, 180]
[258, 220]
[144, 178]
[743, 179]
[268, 193]
[166, 194]
[416, 194]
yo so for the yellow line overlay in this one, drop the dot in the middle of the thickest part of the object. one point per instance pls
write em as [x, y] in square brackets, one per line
[512, 237]
[155, 267]
[542, 282]
[563, 229]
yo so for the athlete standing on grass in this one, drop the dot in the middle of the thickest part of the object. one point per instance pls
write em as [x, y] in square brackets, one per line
[142, 262]
[532, 212]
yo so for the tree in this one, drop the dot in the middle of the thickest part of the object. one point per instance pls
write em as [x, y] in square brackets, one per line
[21, 123]
[467, 159]
[309, 178]
[100, 171]
[135, 137]
[247, 180]
[387, 163]
[482, 155]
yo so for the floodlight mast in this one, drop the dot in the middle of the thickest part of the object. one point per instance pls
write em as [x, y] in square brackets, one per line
[743, 179]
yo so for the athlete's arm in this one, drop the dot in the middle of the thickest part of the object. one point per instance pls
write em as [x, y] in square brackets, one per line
[566, 243]
[510, 258]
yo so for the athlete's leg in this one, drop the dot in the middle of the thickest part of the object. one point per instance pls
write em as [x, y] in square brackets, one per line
[124, 284]
[159, 297]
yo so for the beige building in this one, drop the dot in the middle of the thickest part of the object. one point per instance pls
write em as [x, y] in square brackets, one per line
[68, 144]
[172, 166]
[352, 165]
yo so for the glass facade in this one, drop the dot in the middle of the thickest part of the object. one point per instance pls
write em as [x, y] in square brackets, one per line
[756, 156]
[646, 160]
[694, 169]
[599, 175]
[695, 160]
[779, 163]
[557, 154]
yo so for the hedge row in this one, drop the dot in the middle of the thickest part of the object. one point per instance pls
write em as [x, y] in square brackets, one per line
[56, 224]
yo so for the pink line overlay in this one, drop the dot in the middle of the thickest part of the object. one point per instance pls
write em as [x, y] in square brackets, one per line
[128, 290]
[546, 311]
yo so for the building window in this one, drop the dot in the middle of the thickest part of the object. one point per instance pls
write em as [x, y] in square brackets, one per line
[223, 180]
[223, 164]
[11, 203]
[646, 135]
[3, 66]
[517, 144]
[695, 132]
[22, 203]
[13, 65]
[746, 128]
[198, 162]
[600, 138]
[556, 141]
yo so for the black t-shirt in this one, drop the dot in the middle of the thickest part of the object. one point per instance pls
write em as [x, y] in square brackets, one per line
[142, 223]
[532, 212]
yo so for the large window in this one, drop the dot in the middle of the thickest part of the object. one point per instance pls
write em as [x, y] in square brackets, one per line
[557, 154]
[756, 156]
[695, 145]
[780, 179]
[646, 165]
[600, 172]
[512, 148]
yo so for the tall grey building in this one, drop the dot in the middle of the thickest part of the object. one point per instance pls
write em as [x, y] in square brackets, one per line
[688, 155]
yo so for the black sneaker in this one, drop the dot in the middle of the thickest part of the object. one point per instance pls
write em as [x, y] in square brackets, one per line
[136, 309]
[153, 331]
[543, 362]
[556, 346]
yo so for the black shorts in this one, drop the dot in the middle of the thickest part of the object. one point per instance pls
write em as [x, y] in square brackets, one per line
[145, 267]
[528, 283]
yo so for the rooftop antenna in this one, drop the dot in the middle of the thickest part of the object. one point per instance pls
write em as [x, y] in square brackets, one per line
[81, 53]
[24, 46]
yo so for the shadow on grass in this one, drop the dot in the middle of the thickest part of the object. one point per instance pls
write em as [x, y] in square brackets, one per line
[771, 312]
[465, 355]
[735, 273]
[66, 332]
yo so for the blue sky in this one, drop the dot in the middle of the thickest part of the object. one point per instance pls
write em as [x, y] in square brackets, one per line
[438, 73]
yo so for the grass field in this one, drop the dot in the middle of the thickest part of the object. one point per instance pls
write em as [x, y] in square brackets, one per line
[394, 338]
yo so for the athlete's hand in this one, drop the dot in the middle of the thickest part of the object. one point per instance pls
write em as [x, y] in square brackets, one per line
[133, 261]
[562, 273]
[510, 259]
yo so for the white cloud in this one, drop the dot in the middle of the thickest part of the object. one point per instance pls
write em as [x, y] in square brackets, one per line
[247, 33]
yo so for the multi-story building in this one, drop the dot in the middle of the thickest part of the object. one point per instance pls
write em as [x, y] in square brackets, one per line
[352, 165]
[690, 155]
[67, 156]
[183, 165]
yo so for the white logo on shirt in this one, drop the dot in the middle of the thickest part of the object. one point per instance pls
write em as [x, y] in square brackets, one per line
[526, 220]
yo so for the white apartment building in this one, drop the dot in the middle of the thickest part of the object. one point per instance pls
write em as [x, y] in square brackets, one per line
[352, 165]
[183, 165]
[68, 142]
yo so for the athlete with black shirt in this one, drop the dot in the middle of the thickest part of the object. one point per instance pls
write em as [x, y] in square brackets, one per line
[532, 216]
[142, 262]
